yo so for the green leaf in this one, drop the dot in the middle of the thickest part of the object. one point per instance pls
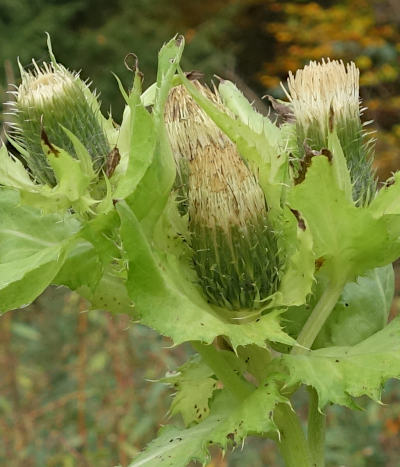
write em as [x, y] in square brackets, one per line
[387, 199]
[341, 373]
[110, 294]
[82, 154]
[228, 421]
[256, 361]
[12, 172]
[137, 141]
[82, 267]
[241, 107]
[101, 233]
[194, 387]
[362, 309]
[142, 142]
[167, 298]
[32, 249]
[149, 199]
[348, 240]
[339, 165]
[298, 276]
[72, 180]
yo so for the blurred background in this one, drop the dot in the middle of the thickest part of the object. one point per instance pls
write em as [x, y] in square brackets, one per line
[77, 388]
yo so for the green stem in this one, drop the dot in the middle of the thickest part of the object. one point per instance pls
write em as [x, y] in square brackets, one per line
[316, 420]
[318, 317]
[316, 430]
[223, 371]
[292, 442]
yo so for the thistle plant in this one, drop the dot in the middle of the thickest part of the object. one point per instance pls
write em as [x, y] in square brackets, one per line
[213, 214]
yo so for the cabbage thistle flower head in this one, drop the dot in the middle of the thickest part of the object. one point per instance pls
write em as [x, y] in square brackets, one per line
[51, 97]
[234, 250]
[325, 98]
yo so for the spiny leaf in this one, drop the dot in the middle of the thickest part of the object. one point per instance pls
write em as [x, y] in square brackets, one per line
[194, 387]
[348, 240]
[228, 422]
[32, 249]
[341, 373]
[168, 300]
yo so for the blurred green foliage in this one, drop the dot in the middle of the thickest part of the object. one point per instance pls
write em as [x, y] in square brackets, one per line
[74, 386]
[96, 35]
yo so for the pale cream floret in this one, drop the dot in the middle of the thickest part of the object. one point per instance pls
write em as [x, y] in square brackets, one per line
[319, 87]
[189, 128]
[223, 192]
[45, 85]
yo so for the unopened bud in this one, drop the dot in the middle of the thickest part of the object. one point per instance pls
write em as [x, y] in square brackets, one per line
[235, 252]
[54, 98]
[324, 98]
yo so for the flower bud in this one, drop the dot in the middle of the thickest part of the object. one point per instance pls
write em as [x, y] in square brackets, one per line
[324, 98]
[54, 98]
[235, 252]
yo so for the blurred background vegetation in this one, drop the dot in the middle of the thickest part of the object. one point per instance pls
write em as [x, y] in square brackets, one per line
[75, 387]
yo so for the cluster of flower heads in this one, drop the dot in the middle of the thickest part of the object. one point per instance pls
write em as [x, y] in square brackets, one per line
[234, 247]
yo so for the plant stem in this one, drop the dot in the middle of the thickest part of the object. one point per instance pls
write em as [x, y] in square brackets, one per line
[316, 420]
[316, 430]
[222, 369]
[318, 317]
[292, 442]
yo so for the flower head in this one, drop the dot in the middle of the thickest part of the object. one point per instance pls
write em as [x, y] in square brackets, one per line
[325, 97]
[320, 89]
[234, 249]
[52, 97]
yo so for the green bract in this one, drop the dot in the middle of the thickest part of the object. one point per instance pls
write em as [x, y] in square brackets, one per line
[210, 223]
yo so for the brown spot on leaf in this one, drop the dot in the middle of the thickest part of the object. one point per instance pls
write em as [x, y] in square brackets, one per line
[300, 220]
[305, 163]
[319, 262]
[113, 159]
[331, 121]
[325, 152]
[307, 159]
[179, 40]
[46, 142]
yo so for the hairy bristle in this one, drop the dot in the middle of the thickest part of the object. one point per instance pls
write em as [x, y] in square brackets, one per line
[322, 87]
[223, 192]
[189, 128]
